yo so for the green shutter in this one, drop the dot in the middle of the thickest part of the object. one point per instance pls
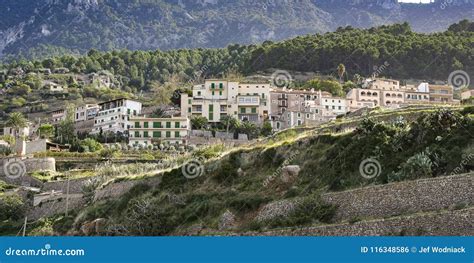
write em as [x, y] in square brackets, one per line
[137, 134]
[211, 116]
[168, 134]
[156, 124]
[221, 86]
[176, 125]
[145, 134]
[168, 124]
[176, 134]
[156, 134]
[137, 124]
[212, 93]
[220, 92]
[213, 86]
[145, 124]
[242, 110]
[211, 108]
[254, 110]
[189, 109]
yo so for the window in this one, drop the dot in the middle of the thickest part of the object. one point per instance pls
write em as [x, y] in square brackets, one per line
[212, 93]
[211, 108]
[189, 101]
[242, 110]
[176, 134]
[220, 92]
[168, 134]
[145, 134]
[189, 109]
[221, 86]
[137, 134]
[176, 125]
[213, 85]
[137, 124]
[157, 124]
[199, 93]
[145, 124]
[211, 116]
[168, 124]
[254, 110]
[156, 134]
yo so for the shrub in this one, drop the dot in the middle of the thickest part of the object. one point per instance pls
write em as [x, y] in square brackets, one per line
[5, 150]
[11, 207]
[90, 145]
[417, 166]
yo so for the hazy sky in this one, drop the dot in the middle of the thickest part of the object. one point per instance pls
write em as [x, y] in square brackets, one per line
[414, 1]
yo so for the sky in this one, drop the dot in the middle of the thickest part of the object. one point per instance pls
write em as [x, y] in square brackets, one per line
[414, 1]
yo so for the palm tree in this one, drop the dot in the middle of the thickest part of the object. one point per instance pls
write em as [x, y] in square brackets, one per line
[341, 69]
[16, 121]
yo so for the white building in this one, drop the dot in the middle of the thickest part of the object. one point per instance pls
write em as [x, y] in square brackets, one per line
[86, 112]
[218, 98]
[152, 131]
[113, 116]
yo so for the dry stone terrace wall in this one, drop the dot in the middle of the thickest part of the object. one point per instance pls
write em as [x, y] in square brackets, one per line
[114, 190]
[447, 223]
[403, 198]
[54, 207]
[75, 185]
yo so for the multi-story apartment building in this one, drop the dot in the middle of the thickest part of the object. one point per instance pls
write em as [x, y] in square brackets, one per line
[113, 116]
[84, 118]
[86, 112]
[57, 116]
[151, 131]
[218, 98]
[441, 94]
[392, 98]
[289, 99]
[360, 98]
[382, 84]
[334, 104]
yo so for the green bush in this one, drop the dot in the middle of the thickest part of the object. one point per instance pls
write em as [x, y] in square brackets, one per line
[90, 145]
[11, 207]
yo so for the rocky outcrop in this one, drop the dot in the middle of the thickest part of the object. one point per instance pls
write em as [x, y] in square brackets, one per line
[227, 221]
[289, 173]
[276, 209]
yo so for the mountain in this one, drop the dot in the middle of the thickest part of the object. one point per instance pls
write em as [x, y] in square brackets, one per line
[51, 27]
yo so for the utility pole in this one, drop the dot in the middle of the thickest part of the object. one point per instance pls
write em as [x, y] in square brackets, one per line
[67, 193]
[24, 226]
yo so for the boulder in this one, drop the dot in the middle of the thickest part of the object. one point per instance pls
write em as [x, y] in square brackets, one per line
[289, 173]
[281, 208]
[227, 221]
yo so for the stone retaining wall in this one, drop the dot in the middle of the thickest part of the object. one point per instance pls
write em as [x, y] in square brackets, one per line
[447, 223]
[403, 198]
[75, 185]
[118, 189]
[54, 207]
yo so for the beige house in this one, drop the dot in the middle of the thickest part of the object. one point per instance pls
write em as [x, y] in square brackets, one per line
[467, 94]
[151, 131]
[218, 98]
[441, 94]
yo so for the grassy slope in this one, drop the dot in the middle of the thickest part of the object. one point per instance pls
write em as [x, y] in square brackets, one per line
[328, 161]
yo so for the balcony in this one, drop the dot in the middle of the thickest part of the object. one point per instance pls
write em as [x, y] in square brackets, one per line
[248, 100]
